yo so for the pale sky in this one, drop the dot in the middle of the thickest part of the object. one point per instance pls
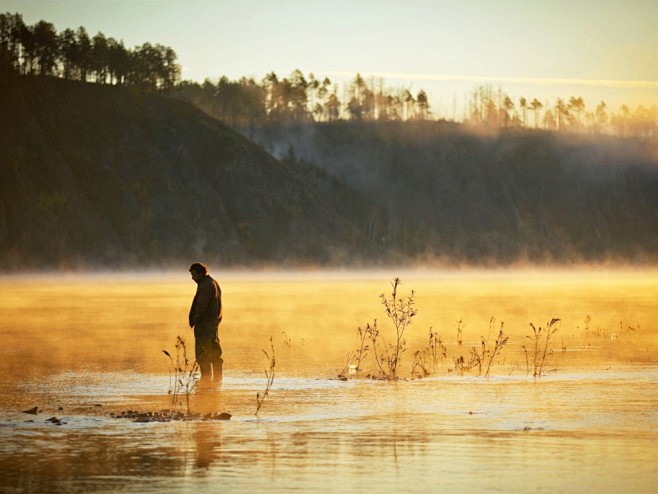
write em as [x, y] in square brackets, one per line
[597, 49]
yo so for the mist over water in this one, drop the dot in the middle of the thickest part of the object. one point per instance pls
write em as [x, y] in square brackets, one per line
[84, 347]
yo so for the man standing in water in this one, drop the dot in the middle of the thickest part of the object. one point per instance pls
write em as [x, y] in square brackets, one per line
[205, 316]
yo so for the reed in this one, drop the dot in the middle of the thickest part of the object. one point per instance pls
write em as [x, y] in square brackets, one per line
[269, 374]
[483, 357]
[426, 359]
[501, 341]
[362, 352]
[460, 330]
[539, 351]
[475, 358]
[437, 350]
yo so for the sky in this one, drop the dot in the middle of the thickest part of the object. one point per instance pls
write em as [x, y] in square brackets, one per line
[545, 49]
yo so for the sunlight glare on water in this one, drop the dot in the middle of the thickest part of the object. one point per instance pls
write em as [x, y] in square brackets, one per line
[84, 347]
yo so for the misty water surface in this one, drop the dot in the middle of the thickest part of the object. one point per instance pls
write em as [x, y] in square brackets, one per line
[84, 347]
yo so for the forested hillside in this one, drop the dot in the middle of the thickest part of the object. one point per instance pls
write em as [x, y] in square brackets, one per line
[94, 176]
[443, 191]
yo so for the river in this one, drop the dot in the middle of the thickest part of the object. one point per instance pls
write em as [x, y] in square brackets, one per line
[85, 347]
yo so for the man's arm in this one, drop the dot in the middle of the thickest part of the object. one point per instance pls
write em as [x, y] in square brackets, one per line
[202, 298]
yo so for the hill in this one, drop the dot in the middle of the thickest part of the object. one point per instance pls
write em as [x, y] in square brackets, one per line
[444, 191]
[101, 176]
[96, 176]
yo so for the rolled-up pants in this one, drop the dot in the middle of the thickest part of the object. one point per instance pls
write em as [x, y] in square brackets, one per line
[207, 348]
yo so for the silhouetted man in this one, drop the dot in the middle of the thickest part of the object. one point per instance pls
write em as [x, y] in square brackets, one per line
[205, 316]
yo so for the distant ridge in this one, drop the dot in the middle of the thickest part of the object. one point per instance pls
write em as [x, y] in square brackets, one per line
[95, 176]
[450, 193]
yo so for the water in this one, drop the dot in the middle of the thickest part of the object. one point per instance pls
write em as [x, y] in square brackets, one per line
[84, 347]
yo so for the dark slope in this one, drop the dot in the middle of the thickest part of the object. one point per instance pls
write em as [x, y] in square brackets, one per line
[443, 191]
[94, 176]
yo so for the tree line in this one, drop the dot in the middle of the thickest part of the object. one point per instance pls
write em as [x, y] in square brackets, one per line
[75, 55]
[493, 108]
[299, 98]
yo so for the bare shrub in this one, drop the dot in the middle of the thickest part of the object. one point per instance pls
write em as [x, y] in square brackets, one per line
[185, 375]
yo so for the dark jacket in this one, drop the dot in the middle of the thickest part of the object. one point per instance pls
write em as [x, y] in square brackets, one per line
[207, 303]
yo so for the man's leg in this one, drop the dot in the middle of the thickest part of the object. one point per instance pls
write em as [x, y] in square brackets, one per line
[202, 353]
[204, 368]
[217, 361]
[218, 368]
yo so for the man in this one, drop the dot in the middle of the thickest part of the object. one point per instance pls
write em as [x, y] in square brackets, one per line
[205, 316]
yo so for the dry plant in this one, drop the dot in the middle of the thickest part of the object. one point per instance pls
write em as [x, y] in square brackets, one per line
[501, 341]
[355, 358]
[437, 350]
[540, 351]
[420, 365]
[269, 374]
[185, 375]
[347, 367]
[459, 365]
[631, 329]
[484, 357]
[400, 311]
[475, 358]
[460, 329]
[599, 332]
[426, 359]
[362, 352]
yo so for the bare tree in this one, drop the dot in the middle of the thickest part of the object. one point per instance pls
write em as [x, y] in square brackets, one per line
[422, 105]
[536, 106]
[523, 104]
[576, 108]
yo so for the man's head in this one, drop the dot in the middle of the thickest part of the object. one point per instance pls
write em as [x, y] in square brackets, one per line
[198, 271]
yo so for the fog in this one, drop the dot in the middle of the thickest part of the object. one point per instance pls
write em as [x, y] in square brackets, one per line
[121, 320]
[182, 185]
[85, 347]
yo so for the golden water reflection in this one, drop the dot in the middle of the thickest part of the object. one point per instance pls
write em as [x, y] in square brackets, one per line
[84, 347]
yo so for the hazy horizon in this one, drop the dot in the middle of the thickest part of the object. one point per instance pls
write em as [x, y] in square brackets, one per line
[600, 51]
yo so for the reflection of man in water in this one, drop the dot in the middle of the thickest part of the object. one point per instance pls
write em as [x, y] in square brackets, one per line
[205, 316]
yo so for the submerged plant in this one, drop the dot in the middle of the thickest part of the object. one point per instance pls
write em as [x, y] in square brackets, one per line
[185, 375]
[269, 374]
[539, 351]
